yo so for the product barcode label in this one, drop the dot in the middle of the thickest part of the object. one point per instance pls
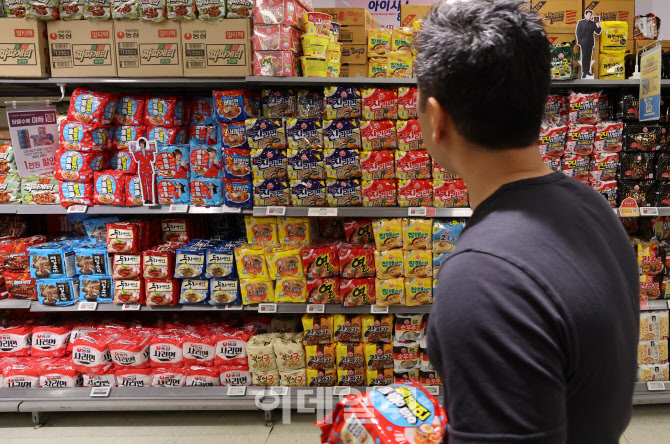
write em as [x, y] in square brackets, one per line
[100, 392]
[649, 211]
[432, 389]
[127, 45]
[131, 307]
[195, 46]
[178, 208]
[77, 209]
[129, 64]
[87, 306]
[376, 309]
[237, 391]
[316, 308]
[346, 35]
[194, 65]
[322, 212]
[267, 308]
[279, 391]
[275, 211]
[62, 65]
[60, 45]
[233, 307]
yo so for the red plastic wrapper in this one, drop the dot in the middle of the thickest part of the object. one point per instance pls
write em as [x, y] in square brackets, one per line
[276, 38]
[380, 193]
[576, 166]
[275, 64]
[332, 228]
[20, 285]
[358, 231]
[552, 140]
[608, 189]
[356, 261]
[235, 375]
[76, 193]
[23, 373]
[603, 167]
[123, 237]
[130, 110]
[168, 377]
[90, 353]
[106, 378]
[450, 194]
[409, 135]
[609, 137]
[393, 414]
[415, 193]
[127, 266]
[166, 350]
[320, 261]
[58, 373]
[161, 291]
[580, 139]
[412, 165]
[231, 346]
[324, 290]
[131, 350]
[79, 136]
[158, 264]
[407, 102]
[204, 134]
[199, 348]
[88, 106]
[380, 103]
[555, 111]
[123, 134]
[167, 136]
[554, 163]
[109, 188]
[356, 292]
[167, 111]
[128, 291]
[134, 377]
[50, 341]
[124, 162]
[275, 12]
[378, 165]
[15, 340]
[377, 135]
[78, 166]
[14, 252]
[202, 377]
[584, 108]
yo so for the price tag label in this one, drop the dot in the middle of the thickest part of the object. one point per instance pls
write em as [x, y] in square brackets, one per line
[644, 305]
[231, 209]
[267, 308]
[178, 208]
[100, 392]
[649, 211]
[655, 386]
[341, 391]
[432, 389]
[417, 211]
[322, 212]
[279, 391]
[237, 391]
[316, 308]
[376, 309]
[616, 211]
[131, 307]
[87, 306]
[233, 307]
[77, 209]
[275, 211]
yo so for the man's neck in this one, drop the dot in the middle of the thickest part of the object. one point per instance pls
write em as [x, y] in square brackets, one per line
[487, 170]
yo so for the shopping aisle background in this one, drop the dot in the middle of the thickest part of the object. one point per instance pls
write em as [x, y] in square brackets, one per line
[650, 424]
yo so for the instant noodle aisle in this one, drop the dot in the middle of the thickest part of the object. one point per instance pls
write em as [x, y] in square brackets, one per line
[316, 275]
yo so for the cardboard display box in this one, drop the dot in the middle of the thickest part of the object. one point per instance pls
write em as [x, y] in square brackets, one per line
[411, 13]
[23, 48]
[611, 10]
[81, 48]
[146, 49]
[354, 54]
[220, 49]
[353, 34]
[350, 16]
[559, 16]
[354, 70]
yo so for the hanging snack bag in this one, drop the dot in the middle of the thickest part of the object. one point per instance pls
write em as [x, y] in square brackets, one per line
[342, 103]
[342, 134]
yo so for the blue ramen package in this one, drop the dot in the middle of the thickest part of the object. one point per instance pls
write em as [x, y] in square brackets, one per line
[172, 161]
[438, 260]
[224, 291]
[110, 110]
[96, 289]
[343, 193]
[236, 164]
[278, 103]
[52, 259]
[233, 106]
[308, 193]
[194, 291]
[233, 135]
[304, 134]
[207, 192]
[220, 262]
[126, 133]
[201, 111]
[130, 110]
[445, 234]
[206, 135]
[189, 262]
[173, 191]
[342, 164]
[95, 228]
[206, 161]
[342, 134]
[268, 164]
[342, 103]
[82, 137]
[306, 164]
[238, 193]
[58, 291]
[91, 259]
[271, 192]
[266, 133]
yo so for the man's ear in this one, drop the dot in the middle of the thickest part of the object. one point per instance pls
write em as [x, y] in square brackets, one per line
[439, 120]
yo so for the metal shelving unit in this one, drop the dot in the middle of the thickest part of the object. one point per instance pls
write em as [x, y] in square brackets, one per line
[643, 395]
[365, 211]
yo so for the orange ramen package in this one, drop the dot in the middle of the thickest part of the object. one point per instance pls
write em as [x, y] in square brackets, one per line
[357, 260]
[407, 102]
[351, 377]
[379, 356]
[321, 377]
[350, 356]
[379, 193]
[409, 135]
[378, 135]
[251, 263]
[320, 356]
[324, 291]
[284, 260]
[318, 329]
[358, 292]
[415, 193]
[257, 290]
[388, 233]
[379, 378]
[380, 103]
[347, 328]
[358, 231]
[294, 229]
[261, 230]
[378, 165]
[378, 328]
[320, 261]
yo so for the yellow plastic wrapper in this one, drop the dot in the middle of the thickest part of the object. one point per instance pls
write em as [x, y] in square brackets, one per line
[347, 328]
[418, 291]
[379, 42]
[350, 356]
[378, 67]
[250, 261]
[613, 36]
[378, 328]
[378, 378]
[611, 66]
[401, 39]
[318, 329]
[261, 230]
[416, 28]
[284, 260]
[320, 356]
[400, 65]
[321, 377]
[390, 291]
[257, 291]
[352, 377]
[378, 356]
[333, 69]
[418, 263]
[389, 264]
[315, 45]
[294, 229]
[291, 290]
[314, 67]
[334, 52]
[417, 234]
[388, 233]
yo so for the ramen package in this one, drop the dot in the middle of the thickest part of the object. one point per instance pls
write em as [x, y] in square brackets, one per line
[289, 352]
[343, 193]
[347, 328]
[171, 191]
[611, 66]
[128, 291]
[130, 110]
[608, 137]
[584, 108]
[172, 161]
[223, 291]
[342, 134]
[57, 291]
[36, 190]
[123, 134]
[650, 287]
[636, 165]
[278, 103]
[168, 136]
[351, 377]
[275, 63]
[409, 135]
[205, 161]
[418, 291]
[563, 61]
[310, 104]
[304, 134]
[324, 291]
[268, 164]
[194, 291]
[642, 191]
[357, 292]
[257, 290]
[159, 292]
[127, 266]
[88, 106]
[378, 135]
[378, 165]
[342, 164]
[123, 161]
[266, 133]
[342, 102]
[417, 233]
[377, 328]
[237, 164]
[390, 291]
[412, 165]
[409, 327]
[233, 135]
[320, 357]
[576, 166]
[271, 192]
[79, 136]
[387, 233]
[75, 193]
[350, 356]
[380, 103]
[379, 42]
[109, 187]
[206, 192]
[284, 260]
[238, 193]
[416, 192]
[378, 356]
[418, 263]
[555, 111]
[318, 329]
[7, 161]
[580, 139]
[389, 263]
[233, 106]
[608, 189]
[614, 36]
[52, 259]
[164, 111]
[644, 137]
[294, 229]
[78, 166]
[604, 167]
[204, 135]
[320, 261]
[275, 38]
[306, 164]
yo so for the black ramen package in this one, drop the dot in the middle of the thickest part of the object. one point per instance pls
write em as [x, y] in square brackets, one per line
[663, 167]
[563, 61]
[636, 165]
[640, 190]
[628, 107]
[342, 103]
[278, 103]
[663, 194]
[310, 104]
[644, 137]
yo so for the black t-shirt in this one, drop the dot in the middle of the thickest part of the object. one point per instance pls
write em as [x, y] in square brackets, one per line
[535, 322]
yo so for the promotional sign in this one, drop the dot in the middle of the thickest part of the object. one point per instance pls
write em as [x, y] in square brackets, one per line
[144, 153]
[34, 137]
[650, 84]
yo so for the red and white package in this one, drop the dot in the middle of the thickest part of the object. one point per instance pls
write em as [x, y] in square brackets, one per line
[261, 324]
[552, 140]
[168, 377]
[91, 352]
[555, 112]
[580, 139]
[275, 12]
[576, 166]
[50, 341]
[275, 64]
[166, 350]
[167, 111]
[130, 110]
[608, 189]
[554, 163]
[202, 377]
[235, 375]
[199, 349]
[276, 38]
[603, 167]
[584, 108]
[231, 346]
[131, 350]
[80, 330]
[15, 340]
[106, 378]
[134, 377]
[59, 373]
[22, 374]
[609, 137]
[88, 106]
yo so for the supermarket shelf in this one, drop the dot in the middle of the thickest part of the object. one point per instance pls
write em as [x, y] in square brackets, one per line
[333, 308]
[111, 209]
[655, 305]
[14, 304]
[368, 211]
[642, 394]
[328, 81]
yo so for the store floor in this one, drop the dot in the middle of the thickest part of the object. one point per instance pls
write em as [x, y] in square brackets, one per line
[650, 424]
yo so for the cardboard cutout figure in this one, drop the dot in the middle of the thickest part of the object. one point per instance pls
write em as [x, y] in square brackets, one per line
[144, 153]
[585, 33]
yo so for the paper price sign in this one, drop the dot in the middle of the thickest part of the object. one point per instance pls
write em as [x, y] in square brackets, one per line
[322, 212]
[376, 309]
[649, 211]
[655, 386]
[275, 211]
[316, 308]
[231, 209]
[100, 392]
[279, 391]
[34, 137]
[77, 209]
[432, 389]
[233, 307]
[267, 308]
[341, 391]
[87, 306]
[130, 307]
[237, 391]
[174, 208]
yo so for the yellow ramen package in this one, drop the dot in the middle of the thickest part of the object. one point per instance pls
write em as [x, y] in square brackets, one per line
[321, 377]
[378, 67]
[613, 36]
[388, 233]
[347, 328]
[611, 66]
[379, 42]
[418, 263]
[389, 263]
[349, 355]
[378, 378]
[352, 377]
[291, 290]
[400, 65]
[417, 233]
[378, 356]
[261, 230]
[320, 356]
[390, 291]
[256, 291]
[251, 263]
[418, 291]
[401, 39]
[378, 328]
[318, 329]
[294, 229]
[284, 260]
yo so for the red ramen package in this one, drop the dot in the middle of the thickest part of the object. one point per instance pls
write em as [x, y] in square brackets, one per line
[157, 264]
[450, 194]
[123, 237]
[172, 161]
[310, 104]
[79, 136]
[205, 135]
[169, 191]
[555, 111]
[123, 134]
[231, 346]
[233, 106]
[140, 377]
[380, 103]
[276, 38]
[635, 165]
[127, 266]
[206, 192]
[308, 193]
[166, 350]
[604, 167]
[278, 103]
[357, 261]
[164, 111]
[320, 261]
[412, 165]
[643, 191]
[167, 136]
[552, 140]
[608, 189]
[378, 165]
[235, 375]
[342, 103]
[608, 137]
[131, 350]
[16, 340]
[576, 166]
[409, 135]
[90, 353]
[344, 192]
[407, 102]
[379, 193]
[109, 188]
[358, 231]
[342, 164]
[272, 12]
[555, 163]
[650, 287]
[205, 161]
[324, 291]
[275, 64]
[584, 108]
[271, 192]
[124, 161]
[305, 164]
[304, 134]
[87, 106]
[266, 133]
[233, 135]
[201, 111]
[128, 291]
[342, 134]
[415, 193]
[580, 139]
[237, 164]
[50, 341]
[75, 193]
[130, 110]
[378, 135]
[238, 193]
[357, 292]
[644, 137]
[78, 166]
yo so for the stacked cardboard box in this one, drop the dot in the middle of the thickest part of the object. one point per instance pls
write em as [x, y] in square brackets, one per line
[23, 48]
[212, 49]
[82, 48]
